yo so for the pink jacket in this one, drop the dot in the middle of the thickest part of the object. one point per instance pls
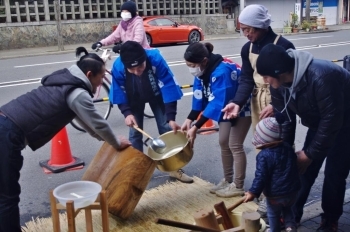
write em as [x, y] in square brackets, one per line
[135, 32]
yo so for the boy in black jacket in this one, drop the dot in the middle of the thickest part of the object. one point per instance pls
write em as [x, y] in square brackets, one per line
[276, 174]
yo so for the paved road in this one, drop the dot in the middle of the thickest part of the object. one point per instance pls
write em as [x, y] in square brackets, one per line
[206, 162]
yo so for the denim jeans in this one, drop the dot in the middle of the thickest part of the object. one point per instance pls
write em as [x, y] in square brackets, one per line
[334, 184]
[135, 136]
[278, 206]
[11, 161]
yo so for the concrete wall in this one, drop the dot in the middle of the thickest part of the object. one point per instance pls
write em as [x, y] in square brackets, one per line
[25, 35]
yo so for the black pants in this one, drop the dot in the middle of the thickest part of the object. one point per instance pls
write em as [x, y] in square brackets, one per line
[11, 161]
[334, 184]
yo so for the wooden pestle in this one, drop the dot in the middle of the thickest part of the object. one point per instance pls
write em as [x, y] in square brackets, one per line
[222, 210]
[206, 218]
[250, 221]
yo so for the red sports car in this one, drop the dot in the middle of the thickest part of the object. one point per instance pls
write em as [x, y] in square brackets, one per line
[162, 30]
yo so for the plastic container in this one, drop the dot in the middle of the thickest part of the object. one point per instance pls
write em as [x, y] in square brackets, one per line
[83, 193]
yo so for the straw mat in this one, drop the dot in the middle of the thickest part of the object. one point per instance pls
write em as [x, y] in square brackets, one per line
[174, 201]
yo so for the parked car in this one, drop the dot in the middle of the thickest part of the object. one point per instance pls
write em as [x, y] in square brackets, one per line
[162, 30]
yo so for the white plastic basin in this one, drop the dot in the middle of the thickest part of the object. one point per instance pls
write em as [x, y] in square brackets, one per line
[83, 193]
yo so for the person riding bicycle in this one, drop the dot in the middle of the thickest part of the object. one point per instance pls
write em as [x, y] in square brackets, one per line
[130, 28]
[34, 118]
[142, 76]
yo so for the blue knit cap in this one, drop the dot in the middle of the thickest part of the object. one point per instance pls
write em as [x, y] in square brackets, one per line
[255, 16]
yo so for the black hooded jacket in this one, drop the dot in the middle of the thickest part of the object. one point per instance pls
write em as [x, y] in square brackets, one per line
[322, 98]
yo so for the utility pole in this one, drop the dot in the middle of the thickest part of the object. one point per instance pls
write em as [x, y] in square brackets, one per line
[307, 10]
[59, 26]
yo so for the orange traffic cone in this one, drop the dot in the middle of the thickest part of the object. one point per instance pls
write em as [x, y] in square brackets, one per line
[208, 127]
[61, 157]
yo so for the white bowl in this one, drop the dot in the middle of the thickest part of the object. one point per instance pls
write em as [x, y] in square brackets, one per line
[83, 193]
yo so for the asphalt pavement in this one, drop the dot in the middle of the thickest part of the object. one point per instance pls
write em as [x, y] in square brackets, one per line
[311, 218]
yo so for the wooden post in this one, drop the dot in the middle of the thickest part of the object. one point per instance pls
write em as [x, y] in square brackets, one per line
[98, 10]
[27, 11]
[106, 9]
[59, 26]
[70, 216]
[172, 7]
[206, 218]
[36, 11]
[90, 9]
[72, 9]
[18, 13]
[88, 220]
[220, 7]
[64, 10]
[144, 7]
[8, 11]
[104, 211]
[158, 7]
[151, 7]
[81, 8]
[203, 24]
[114, 9]
[54, 213]
[250, 221]
[46, 10]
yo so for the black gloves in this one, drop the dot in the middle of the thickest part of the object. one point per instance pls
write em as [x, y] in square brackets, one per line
[95, 45]
[117, 47]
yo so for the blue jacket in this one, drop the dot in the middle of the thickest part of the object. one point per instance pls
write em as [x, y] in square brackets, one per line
[223, 86]
[276, 172]
[166, 81]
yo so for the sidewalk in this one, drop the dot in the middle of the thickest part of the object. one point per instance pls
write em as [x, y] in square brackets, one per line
[311, 219]
[25, 52]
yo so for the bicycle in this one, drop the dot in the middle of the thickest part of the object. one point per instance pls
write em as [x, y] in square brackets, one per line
[101, 97]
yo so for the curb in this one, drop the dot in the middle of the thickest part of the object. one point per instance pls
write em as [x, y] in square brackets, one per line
[315, 209]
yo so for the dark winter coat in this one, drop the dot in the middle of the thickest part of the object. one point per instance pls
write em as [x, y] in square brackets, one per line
[322, 101]
[276, 172]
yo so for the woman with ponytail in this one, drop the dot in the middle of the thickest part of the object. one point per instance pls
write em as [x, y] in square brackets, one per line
[215, 83]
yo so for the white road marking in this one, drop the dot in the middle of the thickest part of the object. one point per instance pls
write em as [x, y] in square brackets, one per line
[315, 37]
[171, 63]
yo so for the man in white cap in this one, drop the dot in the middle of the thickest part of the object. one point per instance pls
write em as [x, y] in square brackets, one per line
[255, 25]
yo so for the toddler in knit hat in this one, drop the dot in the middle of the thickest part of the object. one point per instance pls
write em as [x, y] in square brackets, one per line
[267, 133]
[276, 174]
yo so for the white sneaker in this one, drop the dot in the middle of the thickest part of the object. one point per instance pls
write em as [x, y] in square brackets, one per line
[221, 185]
[230, 191]
[181, 176]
